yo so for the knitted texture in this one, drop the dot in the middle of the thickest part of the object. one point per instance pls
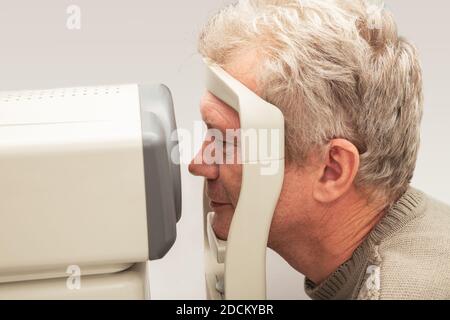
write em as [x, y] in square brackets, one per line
[406, 256]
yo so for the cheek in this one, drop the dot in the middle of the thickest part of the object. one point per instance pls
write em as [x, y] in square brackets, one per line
[294, 206]
[231, 178]
[230, 181]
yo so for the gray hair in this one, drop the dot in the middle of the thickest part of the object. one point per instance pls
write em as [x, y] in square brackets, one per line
[336, 69]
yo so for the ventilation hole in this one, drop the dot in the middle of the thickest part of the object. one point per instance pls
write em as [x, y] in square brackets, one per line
[58, 93]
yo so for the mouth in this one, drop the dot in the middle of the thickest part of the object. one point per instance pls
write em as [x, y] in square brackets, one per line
[216, 204]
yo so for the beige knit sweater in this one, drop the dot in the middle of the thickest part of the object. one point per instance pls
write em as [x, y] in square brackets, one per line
[406, 256]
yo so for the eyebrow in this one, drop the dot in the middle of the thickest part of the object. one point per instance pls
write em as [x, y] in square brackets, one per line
[209, 122]
[213, 125]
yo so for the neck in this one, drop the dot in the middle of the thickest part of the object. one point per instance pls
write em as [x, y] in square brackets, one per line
[319, 247]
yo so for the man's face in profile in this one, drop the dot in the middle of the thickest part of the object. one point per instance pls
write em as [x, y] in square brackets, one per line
[223, 180]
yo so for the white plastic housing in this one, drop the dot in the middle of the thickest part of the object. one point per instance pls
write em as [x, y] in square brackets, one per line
[72, 183]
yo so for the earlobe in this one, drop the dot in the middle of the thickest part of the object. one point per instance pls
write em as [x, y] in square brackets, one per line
[337, 171]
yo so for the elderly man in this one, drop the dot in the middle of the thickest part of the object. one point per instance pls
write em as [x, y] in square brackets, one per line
[350, 90]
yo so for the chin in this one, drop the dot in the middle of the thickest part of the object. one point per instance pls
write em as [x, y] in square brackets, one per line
[222, 221]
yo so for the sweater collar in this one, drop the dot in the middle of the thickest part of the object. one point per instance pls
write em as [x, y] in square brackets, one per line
[343, 283]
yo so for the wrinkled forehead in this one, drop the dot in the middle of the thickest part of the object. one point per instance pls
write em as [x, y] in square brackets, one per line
[217, 114]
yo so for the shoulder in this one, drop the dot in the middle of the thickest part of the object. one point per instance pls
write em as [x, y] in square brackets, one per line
[415, 261]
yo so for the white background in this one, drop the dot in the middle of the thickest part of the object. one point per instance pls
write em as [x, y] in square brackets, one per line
[138, 41]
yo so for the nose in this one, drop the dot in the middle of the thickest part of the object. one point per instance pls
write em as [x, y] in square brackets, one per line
[198, 167]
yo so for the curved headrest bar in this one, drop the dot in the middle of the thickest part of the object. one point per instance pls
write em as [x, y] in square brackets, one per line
[262, 179]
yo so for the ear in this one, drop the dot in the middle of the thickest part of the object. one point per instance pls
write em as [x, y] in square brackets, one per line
[337, 171]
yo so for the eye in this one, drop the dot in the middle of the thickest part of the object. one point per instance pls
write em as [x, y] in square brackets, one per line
[220, 143]
[225, 142]
[228, 147]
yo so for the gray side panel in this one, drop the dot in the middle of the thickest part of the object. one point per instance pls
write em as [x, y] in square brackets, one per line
[162, 176]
